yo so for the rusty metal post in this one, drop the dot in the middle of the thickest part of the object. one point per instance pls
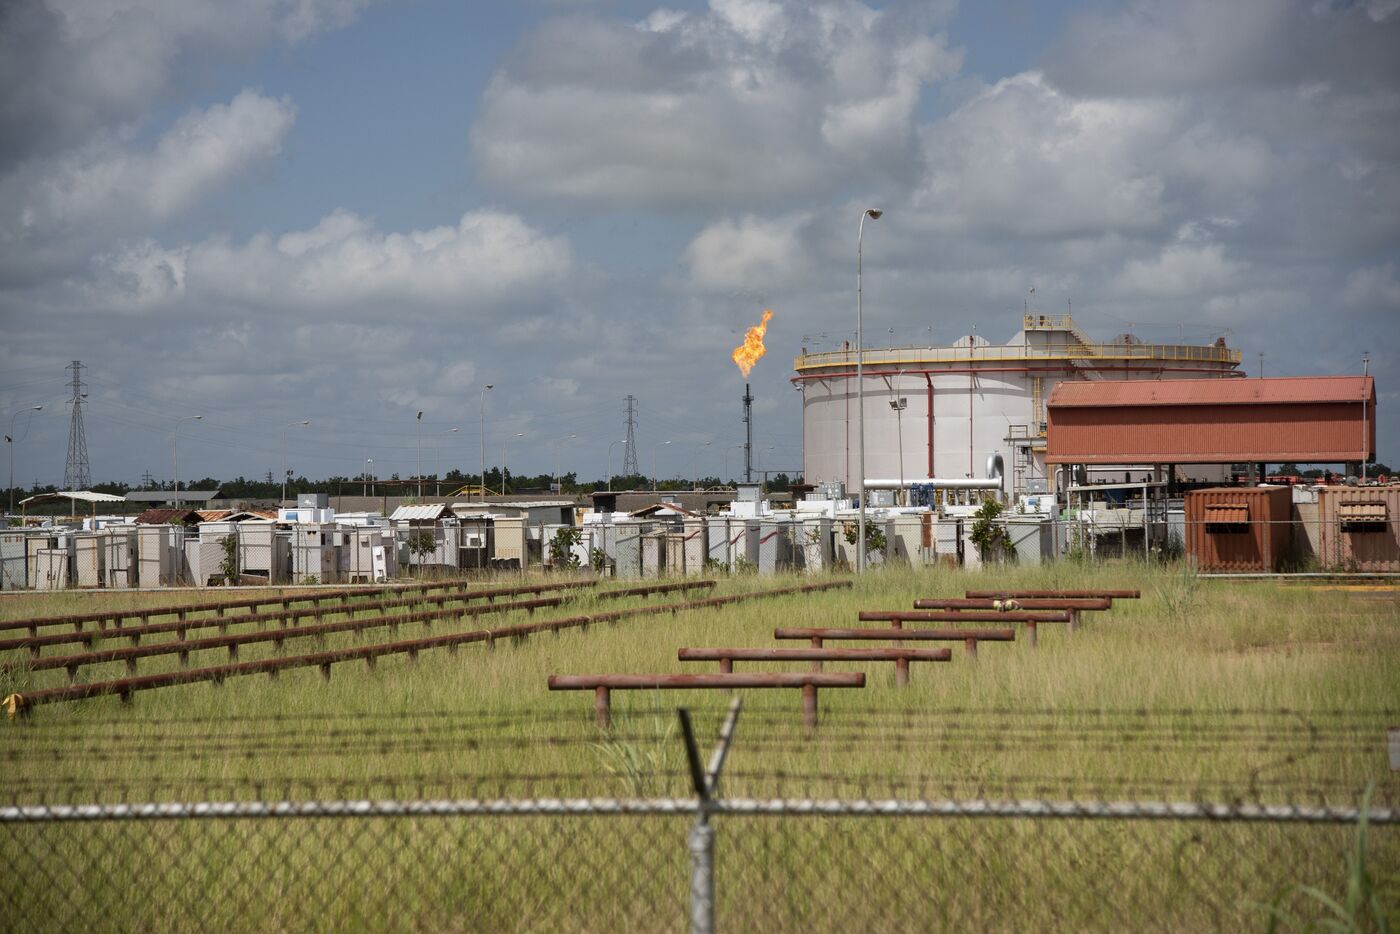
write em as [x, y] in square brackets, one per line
[1073, 619]
[971, 645]
[1030, 634]
[816, 644]
[809, 707]
[602, 707]
[901, 672]
[726, 666]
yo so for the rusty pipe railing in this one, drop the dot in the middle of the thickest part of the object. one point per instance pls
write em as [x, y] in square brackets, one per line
[900, 656]
[602, 686]
[20, 703]
[969, 637]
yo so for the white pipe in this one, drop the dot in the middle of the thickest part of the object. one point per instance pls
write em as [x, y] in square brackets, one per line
[951, 483]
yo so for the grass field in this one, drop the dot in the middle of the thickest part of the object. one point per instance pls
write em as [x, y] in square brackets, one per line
[1200, 690]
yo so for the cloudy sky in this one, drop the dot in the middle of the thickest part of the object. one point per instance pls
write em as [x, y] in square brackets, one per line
[346, 212]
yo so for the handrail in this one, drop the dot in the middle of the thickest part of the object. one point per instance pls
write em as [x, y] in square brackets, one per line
[1013, 353]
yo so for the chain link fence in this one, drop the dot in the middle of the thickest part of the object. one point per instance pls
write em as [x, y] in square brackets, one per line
[886, 820]
[611, 864]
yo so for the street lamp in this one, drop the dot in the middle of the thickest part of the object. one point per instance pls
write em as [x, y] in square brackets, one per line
[10, 440]
[873, 214]
[287, 454]
[693, 458]
[732, 447]
[653, 463]
[175, 451]
[610, 447]
[519, 434]
[557, 487]
[899, 406]
[420, 455]
[369, 475]
[484, 390]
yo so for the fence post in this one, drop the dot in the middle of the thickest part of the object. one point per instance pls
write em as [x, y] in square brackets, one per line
[700, 841]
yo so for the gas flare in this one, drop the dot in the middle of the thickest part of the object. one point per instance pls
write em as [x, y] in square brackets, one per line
[749, 352]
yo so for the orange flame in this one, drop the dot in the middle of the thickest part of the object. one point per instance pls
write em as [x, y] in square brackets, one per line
[749, 352]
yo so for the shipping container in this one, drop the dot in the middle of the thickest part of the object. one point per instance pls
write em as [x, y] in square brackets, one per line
[1358, 529]
[1239, 529]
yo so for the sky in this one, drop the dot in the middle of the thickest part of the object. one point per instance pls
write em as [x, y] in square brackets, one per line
[345, 212]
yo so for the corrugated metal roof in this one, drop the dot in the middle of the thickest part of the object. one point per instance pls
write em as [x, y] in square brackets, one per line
[1278, 390]
[424, 512]
[82, 496]
[167, 517]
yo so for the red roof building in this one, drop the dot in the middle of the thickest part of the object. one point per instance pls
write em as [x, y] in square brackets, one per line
[1306, 419]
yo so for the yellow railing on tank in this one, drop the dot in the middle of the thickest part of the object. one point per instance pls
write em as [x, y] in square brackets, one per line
[999, 354]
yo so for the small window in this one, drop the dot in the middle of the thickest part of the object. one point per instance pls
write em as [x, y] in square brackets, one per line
[1362, 517]
[1227, 518]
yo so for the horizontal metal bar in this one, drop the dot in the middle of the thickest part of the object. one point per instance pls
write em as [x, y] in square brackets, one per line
[1023, 603]
[1017, 594]
[814, 655]
[936, 635]
[959, 616]
[828, 679]
[757, 807]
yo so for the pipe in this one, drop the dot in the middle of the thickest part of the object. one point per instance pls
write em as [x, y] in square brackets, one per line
[929, 380]
[945, 483]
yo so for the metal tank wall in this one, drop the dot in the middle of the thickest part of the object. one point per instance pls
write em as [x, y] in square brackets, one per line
[973, 413]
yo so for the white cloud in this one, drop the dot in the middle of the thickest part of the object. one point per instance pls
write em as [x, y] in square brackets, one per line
[749, 253]
[345, 265]
[69, 68]
[750, 101]
[110, 186]
[1198, 45]
[1024, 157]
[1180, 270]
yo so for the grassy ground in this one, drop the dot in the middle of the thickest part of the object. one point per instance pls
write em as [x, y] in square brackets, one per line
[1201, 689]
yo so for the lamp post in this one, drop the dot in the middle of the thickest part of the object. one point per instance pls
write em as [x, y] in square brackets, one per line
[873, 214]
[287, 455]
[369, 474]
[484, 390]
[558, 488]
[653, 463]
[420, 455]
[175, 451]
[899, 406]
[693, 458]
[519, 434]
[732, 447]
[10, 440]
[610, 447]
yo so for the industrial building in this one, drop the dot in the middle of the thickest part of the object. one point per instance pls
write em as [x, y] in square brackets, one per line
[946, 412]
